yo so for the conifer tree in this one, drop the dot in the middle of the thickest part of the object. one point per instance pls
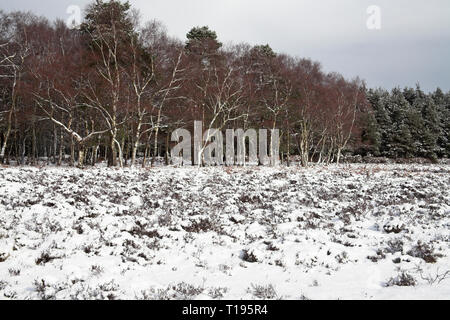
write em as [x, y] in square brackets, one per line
[401, 143]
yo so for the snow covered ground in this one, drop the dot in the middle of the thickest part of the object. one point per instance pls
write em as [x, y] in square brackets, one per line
[338, 232]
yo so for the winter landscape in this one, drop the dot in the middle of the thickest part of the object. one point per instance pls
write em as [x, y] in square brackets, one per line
[328, 232]
[213, 159]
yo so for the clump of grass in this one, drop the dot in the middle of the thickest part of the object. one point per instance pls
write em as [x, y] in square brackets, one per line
[403, 279]
[262, 292]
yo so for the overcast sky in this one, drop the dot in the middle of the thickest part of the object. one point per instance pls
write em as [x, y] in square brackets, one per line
[413, 44]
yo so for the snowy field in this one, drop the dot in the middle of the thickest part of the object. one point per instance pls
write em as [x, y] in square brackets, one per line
[338, 232]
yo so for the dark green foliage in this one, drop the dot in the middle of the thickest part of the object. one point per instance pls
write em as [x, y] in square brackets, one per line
[202, 40]
[408, 123]
[101, 16]
[371, 135]
[264, 50]
[108, 24]
[442, 108]
[201, 33]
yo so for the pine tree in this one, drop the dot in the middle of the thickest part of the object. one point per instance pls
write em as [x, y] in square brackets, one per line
[442, 108]
[379, 99]
[263, 50]
[371, 134]
[401, 143]
[202, 41]
[101, 17]
[375, 122]
[446, 124]
[410, 95]
[431, 128]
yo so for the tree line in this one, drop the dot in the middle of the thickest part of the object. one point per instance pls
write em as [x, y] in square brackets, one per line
[408, 123]
[115, 88]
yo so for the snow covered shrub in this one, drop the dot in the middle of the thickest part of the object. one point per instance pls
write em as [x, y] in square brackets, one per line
[41, 287]
[3, 284]
[250, 199]
[142, 230]
[394, 227]
[403, 279]
[272, 246]
[225, 268]
[397, 260]
[346, 218]
[14, 272]
[217, 293]
[342, 258]
[424, 251]
[44, 257]
[152, 294]
[354, 210]
[78, 228]
[88, 248]
[96, 270]
[200, 225]
[280, 263]
[165, 220]
[185, 291]
[263, 292]
[154, 244]
[47, 291]
[379, 256]
[251, 255]
[310, 220]
[104, 291]
[129, 244]
[179, 291]
[3, 256]
[395, 245]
